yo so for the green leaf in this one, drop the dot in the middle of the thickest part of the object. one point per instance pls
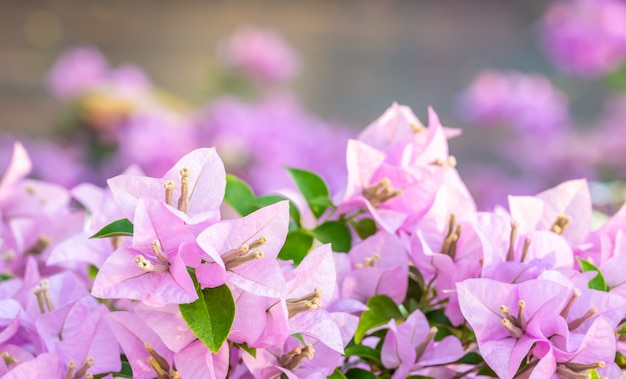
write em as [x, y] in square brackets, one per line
[314, 190]
[117, 228]
[381, 310]
[239, 196]
[337, 374]
[4, 277]
[266, 200]
[487, 371]
[92, 272]
[598, 282]
[211, 316]
[365, 352]
[358, 373]
[297, 245]
[471, 358]
[438, 318]
[365, 227]
[593, 374]
[244, 346]
[335, 233]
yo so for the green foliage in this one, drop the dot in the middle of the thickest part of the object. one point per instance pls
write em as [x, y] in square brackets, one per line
[117, 228]
[266, 200]
[593, 374]
[381, 310]
[365, 352]
[337, 375]
[239, 196]
[365, 227]
[471, 358]
[598, 282]
[211, 316]
[335, 233]
[297, 245]
[358, 373]
[242, 199]
[438, 319]
[244, 346]
[314, 190]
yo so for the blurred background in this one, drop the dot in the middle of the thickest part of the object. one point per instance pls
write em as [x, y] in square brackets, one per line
[501, 71]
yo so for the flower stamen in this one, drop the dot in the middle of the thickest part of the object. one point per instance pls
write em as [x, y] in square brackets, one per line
[169, 191]
[574, 324]
[510, 255]
[381, 192]
[158, 252]
[294, 358]
[42, 292]
[183, 201]
[421, 348]
[369, 261]
[561, 224]
[148, 266]
[575, 295]
[308, 302]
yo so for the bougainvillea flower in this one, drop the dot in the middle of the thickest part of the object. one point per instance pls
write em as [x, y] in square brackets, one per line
[44, 366]
[410, 346]
[399, 126]
[379, 266]
[196, 183]
[152, 267]
[242, 252]
[197, 361]
[294, 359]
[168, 323]
[390, 193]
[564, 209]
[504, 338]
[147, 354]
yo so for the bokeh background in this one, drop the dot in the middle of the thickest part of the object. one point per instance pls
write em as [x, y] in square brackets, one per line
[357, 58]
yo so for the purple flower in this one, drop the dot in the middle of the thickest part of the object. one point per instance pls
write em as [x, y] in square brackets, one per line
[528, 103]
[410, 347]
[77, 70]
[152, 267]
[261, 54]
[585, 37]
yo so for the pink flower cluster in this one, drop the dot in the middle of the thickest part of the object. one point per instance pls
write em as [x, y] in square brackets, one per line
[432, 288]
[585, 37]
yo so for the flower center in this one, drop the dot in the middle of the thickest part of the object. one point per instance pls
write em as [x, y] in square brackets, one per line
[309, 302]
[515, 325]
[369, 262]
[42, 292]
[381, 192]
[237, 257]
[40, 245]
[561, 224]
[294, 358]
[81, 372]
[160, 364]
[183, 200]
[450, 242]
[445, 163]
[572, 370]
[8, 359]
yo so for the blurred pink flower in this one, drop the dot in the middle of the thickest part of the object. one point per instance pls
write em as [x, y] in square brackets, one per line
[529, 103]
[585, 37]
[261, 54]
